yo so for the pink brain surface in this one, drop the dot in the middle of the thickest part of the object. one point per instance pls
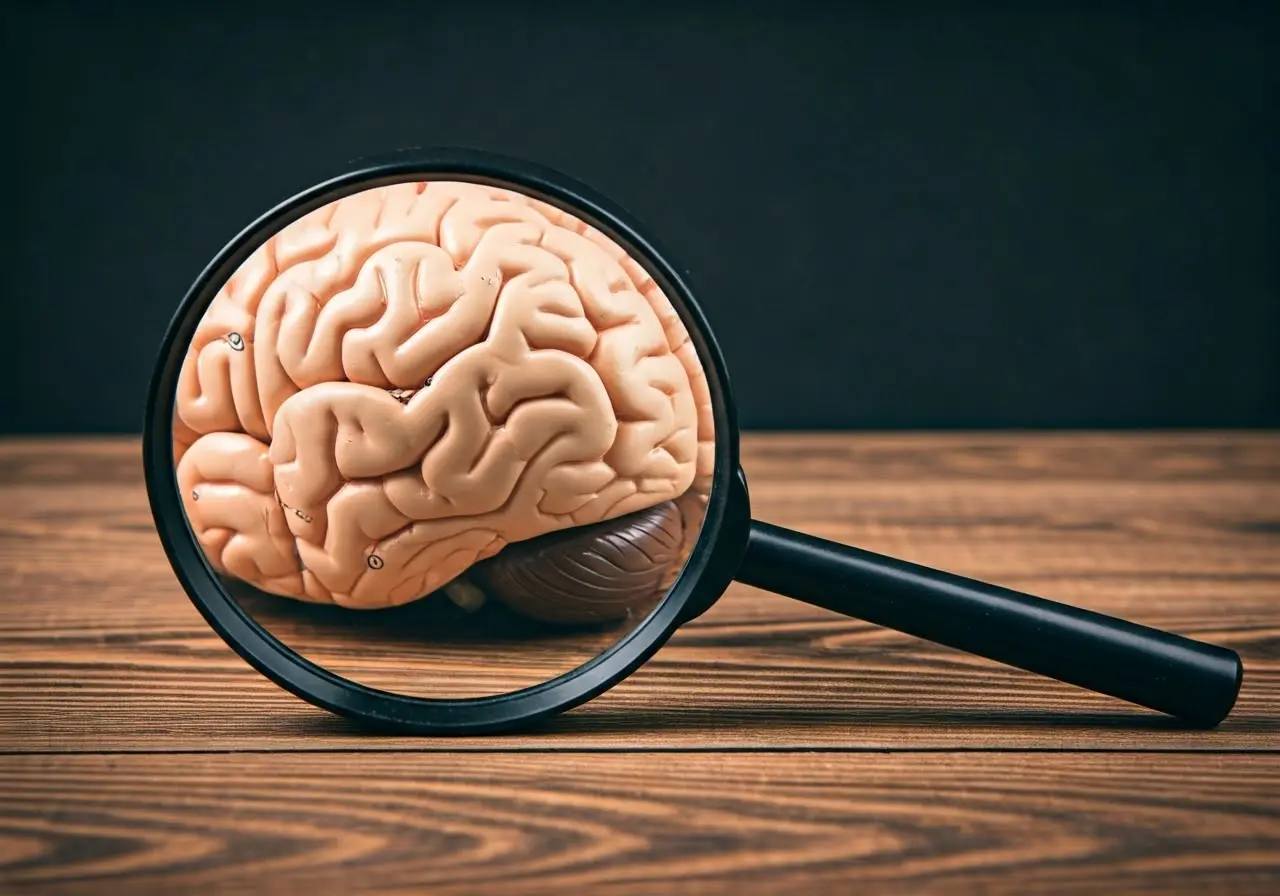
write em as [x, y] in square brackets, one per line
[403, 382]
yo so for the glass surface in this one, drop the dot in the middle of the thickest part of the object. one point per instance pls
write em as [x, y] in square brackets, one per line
[444, 439]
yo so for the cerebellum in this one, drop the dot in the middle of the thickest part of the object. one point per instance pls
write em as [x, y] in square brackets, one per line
[595, 573]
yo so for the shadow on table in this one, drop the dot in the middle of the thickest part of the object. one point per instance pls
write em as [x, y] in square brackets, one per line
[589, 721]
[771, 718]
[493, 625]
[695, 718]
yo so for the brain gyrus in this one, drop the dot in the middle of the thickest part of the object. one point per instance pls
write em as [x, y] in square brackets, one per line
[401, 383]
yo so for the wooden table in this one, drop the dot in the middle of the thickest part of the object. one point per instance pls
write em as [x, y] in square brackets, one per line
[769, 747]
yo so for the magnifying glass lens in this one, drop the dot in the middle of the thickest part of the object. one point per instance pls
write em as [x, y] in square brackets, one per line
[443, 439]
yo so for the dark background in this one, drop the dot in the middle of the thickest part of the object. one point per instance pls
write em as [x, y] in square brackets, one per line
[902, 215]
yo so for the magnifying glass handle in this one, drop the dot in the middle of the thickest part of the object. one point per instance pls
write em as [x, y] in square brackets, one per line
[1187, 679]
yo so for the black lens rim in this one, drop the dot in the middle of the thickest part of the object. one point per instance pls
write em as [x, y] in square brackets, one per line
[711, 564]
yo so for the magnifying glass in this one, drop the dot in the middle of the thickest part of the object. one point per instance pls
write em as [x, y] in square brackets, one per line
[445, 445]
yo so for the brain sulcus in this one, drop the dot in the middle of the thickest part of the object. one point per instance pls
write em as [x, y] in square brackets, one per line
[404, 382]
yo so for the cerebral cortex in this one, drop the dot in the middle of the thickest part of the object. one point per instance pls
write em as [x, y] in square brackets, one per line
[405, 381]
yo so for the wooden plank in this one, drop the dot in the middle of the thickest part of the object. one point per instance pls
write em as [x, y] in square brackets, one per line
[99, 648]
[642, 823]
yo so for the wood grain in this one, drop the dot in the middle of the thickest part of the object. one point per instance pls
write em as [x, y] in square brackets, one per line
[770, 747]
[641, 823]
[101, 650]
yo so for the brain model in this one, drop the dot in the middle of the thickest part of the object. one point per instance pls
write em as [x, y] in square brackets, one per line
[407, 381]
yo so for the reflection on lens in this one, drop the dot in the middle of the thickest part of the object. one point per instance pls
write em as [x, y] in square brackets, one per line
[444, 439]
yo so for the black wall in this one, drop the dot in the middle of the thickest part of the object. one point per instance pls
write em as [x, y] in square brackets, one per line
[907, 215]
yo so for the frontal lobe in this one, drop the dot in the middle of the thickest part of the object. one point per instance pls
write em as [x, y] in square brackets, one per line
[404, 382]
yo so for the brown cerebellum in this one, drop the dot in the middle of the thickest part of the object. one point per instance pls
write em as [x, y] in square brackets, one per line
[598, 573]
